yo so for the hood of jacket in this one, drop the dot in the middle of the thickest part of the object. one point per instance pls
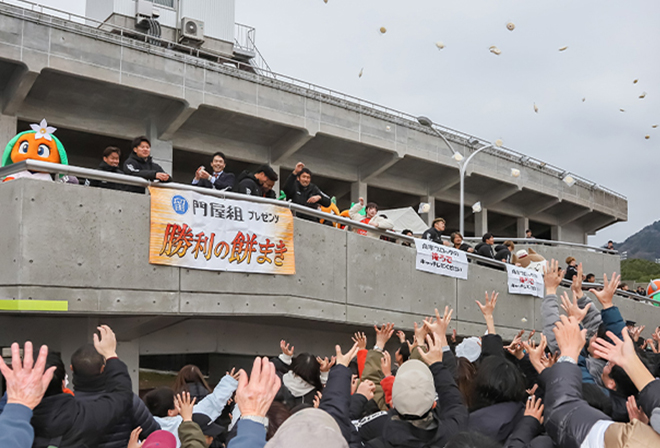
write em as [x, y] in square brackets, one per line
[497, 421]
[247, 175]
[480, 245]
[296, 385]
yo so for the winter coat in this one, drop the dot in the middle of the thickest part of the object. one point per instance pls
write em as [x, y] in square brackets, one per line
[294, 390]
[249, 435]
[570, 272]
[300, 195]
[211, 406]
[502, 253]
[135, 415]
[248, 184]
[433, 235]
[191, 435]
[649, 400]
[144, 168]
[379, 221]
[15, 428]
[485, 250]
[63, 421]
[336, 401]
[449, 418]
[225, 181]
[528, 435]
[497, 421]
[104, 184]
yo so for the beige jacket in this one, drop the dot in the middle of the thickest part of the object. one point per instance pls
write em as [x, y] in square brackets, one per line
[376, 221]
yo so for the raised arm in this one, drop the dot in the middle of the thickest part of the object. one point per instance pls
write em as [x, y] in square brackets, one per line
[549, 307]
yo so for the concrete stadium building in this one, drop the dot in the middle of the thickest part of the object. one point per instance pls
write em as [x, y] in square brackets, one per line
[102, 81]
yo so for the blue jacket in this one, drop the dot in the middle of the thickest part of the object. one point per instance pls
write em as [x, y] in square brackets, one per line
[15, 428]
[249, 435]
[613, 320]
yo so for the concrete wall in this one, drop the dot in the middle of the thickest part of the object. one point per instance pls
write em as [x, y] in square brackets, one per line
[91, 250]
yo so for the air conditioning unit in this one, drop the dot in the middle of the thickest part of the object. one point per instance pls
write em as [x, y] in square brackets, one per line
[191, 30]
[144, 10]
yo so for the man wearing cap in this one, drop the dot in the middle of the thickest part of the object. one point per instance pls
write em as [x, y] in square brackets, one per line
[417, 420]
[435, 232]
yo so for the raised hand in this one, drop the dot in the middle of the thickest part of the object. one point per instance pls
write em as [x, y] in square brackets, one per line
[576, 286]
[106, 345]
[367, 388]
[401, 335]
[488, 309]
[233, 373]
[317, 399]
[26, 383]
[636, 412]
[361, 340]
[134, 440]
[184, 405]
[434, 353]
[325, 363]
[572, 308]
[516, 347]
[286, 350]
[606, 294]
[570, 338]
[621, 352]
[636, 332]
[386, 363]
[254, 396]
[383, 334]
[534, 408]
[536, 353]
[420, 336]
[345, 359]
[354, 383]
[552, 276]
[440, 324]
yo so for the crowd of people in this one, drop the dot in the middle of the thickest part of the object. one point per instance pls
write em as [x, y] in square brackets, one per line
[589, 380]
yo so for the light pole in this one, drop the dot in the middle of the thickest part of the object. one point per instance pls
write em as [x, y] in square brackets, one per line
[462, 165]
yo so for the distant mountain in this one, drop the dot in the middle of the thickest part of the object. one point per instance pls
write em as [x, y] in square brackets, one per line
[644, 244]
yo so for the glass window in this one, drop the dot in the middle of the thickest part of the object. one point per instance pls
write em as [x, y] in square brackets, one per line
[168, 3]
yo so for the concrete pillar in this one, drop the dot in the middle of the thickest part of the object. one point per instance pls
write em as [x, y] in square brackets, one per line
[522, 224]
[162, 151]
[129, 353]
[430, 216]
[481, 223]
[8, 127]
[556, 233]
[359, 190]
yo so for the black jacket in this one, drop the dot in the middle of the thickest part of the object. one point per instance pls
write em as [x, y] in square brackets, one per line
[64, 422]
[451, 416]
[299, 195]
[433, 235]
[497, 421]
[502, 253]
[485, 250]
[570, 272]
[336, 402]
[109, 185]
[225, 181]
[248, 184]
[527, 435]
[144, 168]
[136, 415]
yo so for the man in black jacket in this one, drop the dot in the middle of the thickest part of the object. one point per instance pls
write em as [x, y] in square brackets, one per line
[300, 190]
[140, 164]
[485, 248]
[435, 232]
[89, 381]
[219, 180]
[260, 183]
[62, 421]
[110, 164]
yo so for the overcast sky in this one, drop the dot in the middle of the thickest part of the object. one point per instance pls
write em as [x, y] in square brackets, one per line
[465, 87]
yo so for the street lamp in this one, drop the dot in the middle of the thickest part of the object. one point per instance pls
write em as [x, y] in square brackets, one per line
[462, 165]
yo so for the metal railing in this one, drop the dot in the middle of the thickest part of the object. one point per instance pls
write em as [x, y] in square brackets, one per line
[88, 173]
[532, 241]
[308, 89]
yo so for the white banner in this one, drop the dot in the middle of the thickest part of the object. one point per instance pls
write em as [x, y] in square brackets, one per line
[525, 281]
[439, 259]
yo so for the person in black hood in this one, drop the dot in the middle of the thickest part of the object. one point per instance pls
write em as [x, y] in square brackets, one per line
[110, 164]
[89, 382]
[435, 232]
[503, 251]
[63, 421]
[260, 183]
[140, 164]
[300, 190]
[485, 248]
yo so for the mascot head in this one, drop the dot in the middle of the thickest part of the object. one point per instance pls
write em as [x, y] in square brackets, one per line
[37, 144]
[529, 259]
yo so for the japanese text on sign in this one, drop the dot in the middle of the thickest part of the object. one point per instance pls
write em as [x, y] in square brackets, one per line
[525, 281]
[192, 230]
[437, 259]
